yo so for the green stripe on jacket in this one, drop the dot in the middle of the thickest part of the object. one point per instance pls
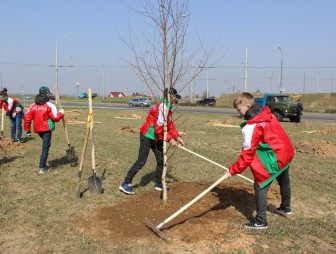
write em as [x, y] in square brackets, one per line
[268, 158]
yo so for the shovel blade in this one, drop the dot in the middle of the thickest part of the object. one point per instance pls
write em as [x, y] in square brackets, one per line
[95, 184]
[71, 155]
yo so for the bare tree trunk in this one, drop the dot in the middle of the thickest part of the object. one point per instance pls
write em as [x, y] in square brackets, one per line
[164, 61]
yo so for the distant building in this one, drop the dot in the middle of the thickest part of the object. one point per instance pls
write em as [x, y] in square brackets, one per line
[140, 95]
[117, 94]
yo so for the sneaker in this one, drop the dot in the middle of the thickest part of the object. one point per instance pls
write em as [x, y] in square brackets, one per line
[13, 140]
[283, 212]
[43, 171]
[19, 141]
[158, 187]
[126, 188]
[255, 225]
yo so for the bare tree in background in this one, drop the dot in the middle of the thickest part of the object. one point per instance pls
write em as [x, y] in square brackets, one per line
[163, 59]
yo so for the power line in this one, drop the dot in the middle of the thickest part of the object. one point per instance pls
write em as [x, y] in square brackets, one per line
[212, 67]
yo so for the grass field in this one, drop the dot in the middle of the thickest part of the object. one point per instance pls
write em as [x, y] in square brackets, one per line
[41, 214]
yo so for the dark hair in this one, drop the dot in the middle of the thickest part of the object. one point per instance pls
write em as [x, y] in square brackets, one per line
[3, 91]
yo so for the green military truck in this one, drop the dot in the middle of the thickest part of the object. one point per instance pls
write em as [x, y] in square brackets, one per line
[280, 105]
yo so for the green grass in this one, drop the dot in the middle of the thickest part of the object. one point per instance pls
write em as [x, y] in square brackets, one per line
[38, 212]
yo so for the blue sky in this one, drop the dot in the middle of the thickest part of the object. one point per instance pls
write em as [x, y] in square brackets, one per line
[304, 29]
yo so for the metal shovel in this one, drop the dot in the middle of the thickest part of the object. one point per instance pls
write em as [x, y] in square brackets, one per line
[70, 152]
[86, 139]
[94, 181]
[2, 120]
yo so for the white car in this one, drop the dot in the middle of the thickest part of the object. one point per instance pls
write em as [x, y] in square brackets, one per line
[141, 102]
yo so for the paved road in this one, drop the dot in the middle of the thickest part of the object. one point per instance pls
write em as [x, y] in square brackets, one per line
[307, 116]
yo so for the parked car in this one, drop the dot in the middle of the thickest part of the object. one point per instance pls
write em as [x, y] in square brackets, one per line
[142, 102]
[206, 102]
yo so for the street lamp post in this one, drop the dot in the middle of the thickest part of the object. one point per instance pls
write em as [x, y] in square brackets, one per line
[281, 68]
[56, 67]
[77, 78]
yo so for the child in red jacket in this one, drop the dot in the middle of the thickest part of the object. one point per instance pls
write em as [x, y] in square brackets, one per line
[14, 110]
[268, 151]
[151, 138]
[44, 115]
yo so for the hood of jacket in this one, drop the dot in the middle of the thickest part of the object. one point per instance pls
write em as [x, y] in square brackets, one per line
[253, 114]
[41, 99]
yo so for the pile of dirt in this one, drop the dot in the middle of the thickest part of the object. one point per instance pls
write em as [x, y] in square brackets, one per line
[330, 130]
[132, 116]
[216, 219]
[128, 129]
[9, 147]
[226, 123]
[71, 117]
[316, 146]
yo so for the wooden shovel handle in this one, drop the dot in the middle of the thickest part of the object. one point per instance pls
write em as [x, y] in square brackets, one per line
[2, 119]
[215, 163]
[192, 202]
[91, 133]
[86, 139]
[63, 121]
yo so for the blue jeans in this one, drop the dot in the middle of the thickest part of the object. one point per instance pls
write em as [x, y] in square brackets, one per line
[146, 145]
[46, 142]
[261, 196]
[16, 126]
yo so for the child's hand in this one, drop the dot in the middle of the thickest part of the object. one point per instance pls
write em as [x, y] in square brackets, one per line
[180, 141]
[61, 111]
[227, 174]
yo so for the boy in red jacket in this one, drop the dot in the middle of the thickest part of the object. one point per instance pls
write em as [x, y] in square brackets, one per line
[14, 110]
[268, 151]
[151, 137]
[44, 115]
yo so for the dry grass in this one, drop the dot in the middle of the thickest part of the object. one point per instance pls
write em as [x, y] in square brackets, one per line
[39, 213]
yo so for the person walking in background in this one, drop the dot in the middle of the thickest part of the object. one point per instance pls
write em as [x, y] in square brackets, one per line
[299, 109]
[151, 137]
[268, 151]
[44, 115]
[14, 110]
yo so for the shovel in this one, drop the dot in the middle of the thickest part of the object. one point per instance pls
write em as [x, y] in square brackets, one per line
[157, 228]
[83, 155]
[70, 152]
[2, 120]
[94, 181]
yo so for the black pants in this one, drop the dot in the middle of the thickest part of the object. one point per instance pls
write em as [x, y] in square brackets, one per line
[145, 145]
[261, 196]
[298, 117]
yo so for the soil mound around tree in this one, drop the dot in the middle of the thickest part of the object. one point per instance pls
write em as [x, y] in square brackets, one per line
[316, 146]
[216, 218]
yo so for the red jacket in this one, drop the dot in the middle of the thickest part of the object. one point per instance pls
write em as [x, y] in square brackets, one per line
[43, 113]
[267, 149]
[11, 105]
[153, 128]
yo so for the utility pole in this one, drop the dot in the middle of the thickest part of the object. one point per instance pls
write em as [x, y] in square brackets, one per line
[271, 82]
[281, 68]
[245, 74]
[317, 82]
[103, 82]
[56, 66]
[304, 83]
[207, 84]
